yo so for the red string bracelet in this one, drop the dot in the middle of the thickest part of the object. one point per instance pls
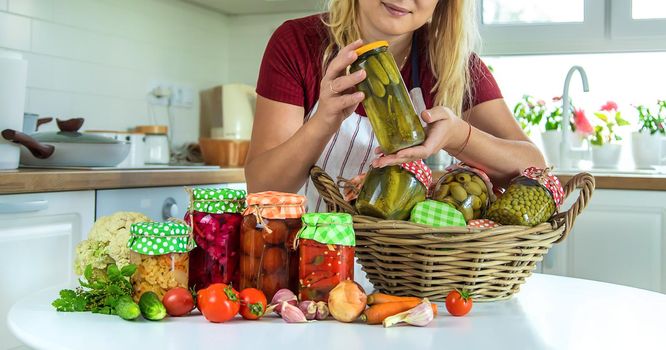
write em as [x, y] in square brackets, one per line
[464, 145]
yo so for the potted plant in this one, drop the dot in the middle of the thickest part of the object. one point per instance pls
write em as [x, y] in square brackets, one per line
[529, 113]
[647, 141]
[552, 136]
[606, 148]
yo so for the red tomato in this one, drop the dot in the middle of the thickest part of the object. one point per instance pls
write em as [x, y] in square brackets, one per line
[458, 303]
[218, 303]
[253, 303]
[178, 301]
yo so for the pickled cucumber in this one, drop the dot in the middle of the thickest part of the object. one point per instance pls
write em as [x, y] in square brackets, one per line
[376, 86]
[525, 203]
[375, 69]
[390, 193]
[390, 68]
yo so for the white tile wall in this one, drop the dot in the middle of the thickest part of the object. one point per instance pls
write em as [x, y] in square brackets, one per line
[98, 58]
[251, 34]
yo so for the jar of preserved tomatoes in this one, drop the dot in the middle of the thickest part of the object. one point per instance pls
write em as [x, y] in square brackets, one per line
[271, 222]
[387, 102]
[215, 217]
[391, 192]
[160, 252]
[326, 247]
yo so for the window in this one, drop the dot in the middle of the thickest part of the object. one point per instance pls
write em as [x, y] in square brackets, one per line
[519, 27]
[648, 9]
[529, 11]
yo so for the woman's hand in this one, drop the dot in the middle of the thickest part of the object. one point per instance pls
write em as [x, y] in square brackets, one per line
[445, 131]
[337, 98]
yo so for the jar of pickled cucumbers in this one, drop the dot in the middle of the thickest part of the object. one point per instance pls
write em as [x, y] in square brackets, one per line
[467, 189]
[391, 192]
[269, 260]
[387, 102]
[326, 254]
[160, 251]
[531, 199]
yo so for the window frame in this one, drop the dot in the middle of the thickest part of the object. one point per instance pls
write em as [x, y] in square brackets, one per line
[607, 27]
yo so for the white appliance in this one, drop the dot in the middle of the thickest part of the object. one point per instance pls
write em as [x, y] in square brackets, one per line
[238, 105]
[158, 203]
[13, 75]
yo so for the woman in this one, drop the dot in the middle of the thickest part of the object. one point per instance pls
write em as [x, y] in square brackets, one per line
[308, 110]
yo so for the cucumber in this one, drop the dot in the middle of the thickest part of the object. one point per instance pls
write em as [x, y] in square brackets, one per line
[151, 307]
[389, 68]
[377, 70]
[127, 309]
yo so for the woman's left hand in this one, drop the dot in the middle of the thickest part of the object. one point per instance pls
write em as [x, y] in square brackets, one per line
[445, 131]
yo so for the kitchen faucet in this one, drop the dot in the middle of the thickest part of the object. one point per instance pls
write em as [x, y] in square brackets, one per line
[565, 145]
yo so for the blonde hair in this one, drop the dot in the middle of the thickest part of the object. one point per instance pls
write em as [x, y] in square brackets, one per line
[452, 36]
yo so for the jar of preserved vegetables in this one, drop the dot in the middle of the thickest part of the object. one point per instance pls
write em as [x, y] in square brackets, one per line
[467, 189]
[326, 247]
[387, 102]
[160, 252]
[215, 217]
[270, 225]
[391, 192]
[531, 199]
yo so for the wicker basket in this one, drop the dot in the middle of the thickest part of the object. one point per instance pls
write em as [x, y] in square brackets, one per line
[404, 258]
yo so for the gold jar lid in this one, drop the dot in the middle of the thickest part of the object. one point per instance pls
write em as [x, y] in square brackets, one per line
[152, 129]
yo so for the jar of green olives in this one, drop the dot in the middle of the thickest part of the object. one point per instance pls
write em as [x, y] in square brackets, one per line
[391, 192]
[531, 199]
[387, 102]
[467, 189]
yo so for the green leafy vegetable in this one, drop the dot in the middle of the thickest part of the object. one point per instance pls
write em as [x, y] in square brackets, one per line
[99, 292]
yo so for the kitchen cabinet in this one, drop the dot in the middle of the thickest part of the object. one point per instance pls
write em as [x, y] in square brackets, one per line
[620, 238]
[38, 234]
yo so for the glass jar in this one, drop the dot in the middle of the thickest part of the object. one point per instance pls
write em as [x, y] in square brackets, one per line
[326, 248]
[269, 261]
[391, 192]
[387, 102]
[531, 199]
[467, 189]
[160, 251]
[215, 217]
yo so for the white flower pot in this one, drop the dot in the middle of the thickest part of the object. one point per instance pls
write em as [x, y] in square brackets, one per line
[647, 149]
[606, 156]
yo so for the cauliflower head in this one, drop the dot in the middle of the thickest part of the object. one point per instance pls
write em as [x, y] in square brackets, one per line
[107, 242]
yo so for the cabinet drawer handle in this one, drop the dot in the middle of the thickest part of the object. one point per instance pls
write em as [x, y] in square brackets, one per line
[24, 207]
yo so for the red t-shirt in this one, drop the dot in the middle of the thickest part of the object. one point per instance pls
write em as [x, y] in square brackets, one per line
[291, 69]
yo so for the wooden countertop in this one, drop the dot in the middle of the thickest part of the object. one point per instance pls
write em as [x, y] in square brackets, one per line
[50, 180]
[54, 180]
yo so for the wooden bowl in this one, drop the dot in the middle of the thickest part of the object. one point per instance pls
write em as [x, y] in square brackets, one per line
[224, 153]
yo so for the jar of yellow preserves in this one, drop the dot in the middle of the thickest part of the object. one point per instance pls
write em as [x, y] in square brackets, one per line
[387, 102]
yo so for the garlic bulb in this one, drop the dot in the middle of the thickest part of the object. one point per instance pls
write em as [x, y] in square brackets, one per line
[420, 315]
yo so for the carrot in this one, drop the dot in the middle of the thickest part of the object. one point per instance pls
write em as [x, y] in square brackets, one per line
[376, 314]
[380, 298]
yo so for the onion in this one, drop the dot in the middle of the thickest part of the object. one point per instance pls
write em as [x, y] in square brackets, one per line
[347, 301]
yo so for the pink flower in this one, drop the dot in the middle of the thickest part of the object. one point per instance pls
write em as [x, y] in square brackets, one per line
[609, 106]
[541, 103]
[583, 125]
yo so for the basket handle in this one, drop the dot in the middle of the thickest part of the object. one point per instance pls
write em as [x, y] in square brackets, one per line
[584, 181]
[330, 192]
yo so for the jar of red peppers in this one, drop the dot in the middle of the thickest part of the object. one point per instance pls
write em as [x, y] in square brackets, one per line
[270, 225]
[215, 217]
[326, 246]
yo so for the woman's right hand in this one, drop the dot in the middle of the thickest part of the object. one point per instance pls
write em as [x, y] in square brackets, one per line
[337, 98]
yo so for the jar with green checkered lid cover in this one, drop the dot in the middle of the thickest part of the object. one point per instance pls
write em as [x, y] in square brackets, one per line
[160, 251]
[326, 254]
[215, 215]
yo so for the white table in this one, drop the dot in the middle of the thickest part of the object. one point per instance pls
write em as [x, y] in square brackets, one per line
[550, 312]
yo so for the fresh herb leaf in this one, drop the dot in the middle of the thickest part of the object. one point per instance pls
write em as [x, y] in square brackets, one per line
[128, 270]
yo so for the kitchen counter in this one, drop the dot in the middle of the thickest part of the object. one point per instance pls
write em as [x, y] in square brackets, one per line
[56, 180]
[550, 312]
